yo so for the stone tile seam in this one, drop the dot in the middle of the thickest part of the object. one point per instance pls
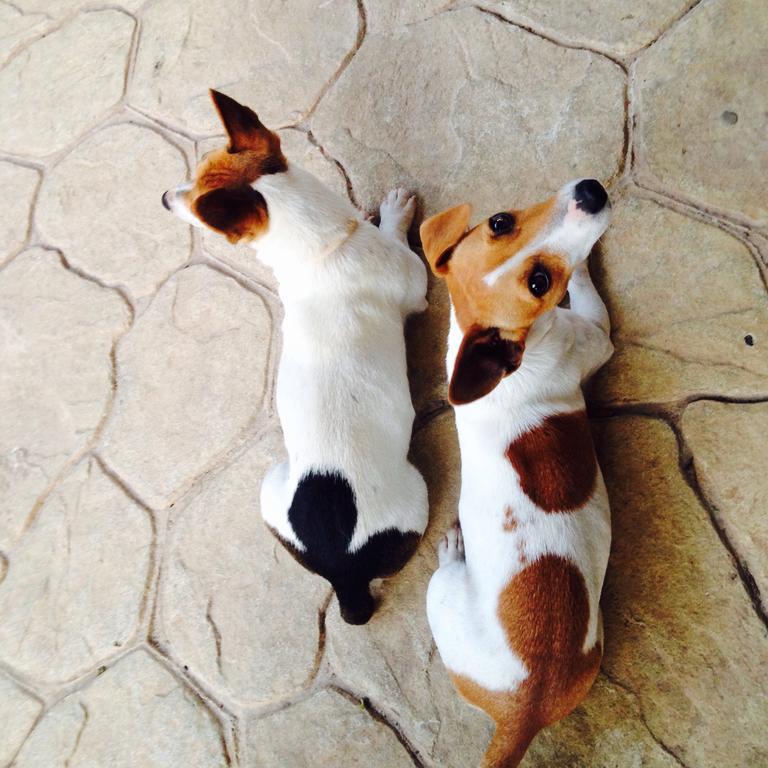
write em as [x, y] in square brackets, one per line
[672, 417]
[362, 28]
[639, 702]
[377, 715]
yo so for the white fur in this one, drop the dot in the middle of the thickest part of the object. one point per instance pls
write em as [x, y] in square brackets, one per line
[563, 348]
[342, 386]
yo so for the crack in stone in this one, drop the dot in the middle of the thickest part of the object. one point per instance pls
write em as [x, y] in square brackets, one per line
[83, 724]
[550, 37]
[688, 470]
[216, 636]
[364, 703]
[627, 689]
[362, 29]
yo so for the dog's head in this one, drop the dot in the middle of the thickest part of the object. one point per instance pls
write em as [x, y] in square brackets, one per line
[222, 196]
[506, 272]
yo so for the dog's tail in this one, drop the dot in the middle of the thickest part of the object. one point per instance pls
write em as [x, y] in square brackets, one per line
[355, 601]
[509, 745]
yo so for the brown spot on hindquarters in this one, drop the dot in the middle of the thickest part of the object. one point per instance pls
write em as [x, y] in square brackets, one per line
[545, 613]
[556, 462]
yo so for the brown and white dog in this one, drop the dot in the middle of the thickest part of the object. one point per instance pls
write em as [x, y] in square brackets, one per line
[513, 605]
[346, 503]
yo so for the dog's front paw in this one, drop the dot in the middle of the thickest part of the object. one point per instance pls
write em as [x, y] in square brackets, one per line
[451, 547]
[397, 211]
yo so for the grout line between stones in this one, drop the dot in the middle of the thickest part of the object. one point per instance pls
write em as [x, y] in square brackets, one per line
[627, 689]
[375, 714]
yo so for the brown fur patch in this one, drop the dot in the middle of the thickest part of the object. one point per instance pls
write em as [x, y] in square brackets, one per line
[465, 258]
[510, 521]
[221, 196]
[556, 462]
[544, 611]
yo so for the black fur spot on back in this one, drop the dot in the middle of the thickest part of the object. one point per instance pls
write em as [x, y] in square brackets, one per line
[323, 515]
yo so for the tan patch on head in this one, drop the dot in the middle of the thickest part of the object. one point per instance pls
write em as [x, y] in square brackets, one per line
[222, 196]
[544, 611]
[556, 462]
[507, 307]
[466, 258]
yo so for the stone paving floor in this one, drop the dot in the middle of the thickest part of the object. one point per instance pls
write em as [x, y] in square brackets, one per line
[147, 619]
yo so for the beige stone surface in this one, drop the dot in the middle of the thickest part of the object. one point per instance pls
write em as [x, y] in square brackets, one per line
[18, 711]
[275, 58]
[224, 597]
[58, 9]
[101, 206]
[325, 730]
[458, 113]
[113, 617]
[727, 442]
[682, 297]
[17, 189]
[191, 378]
[63, 82]
[701, 92]
[681, 632]
[617, 26]
[299, 150]
[17, 28]
[70, 598]
[56, 333]
[135, 714]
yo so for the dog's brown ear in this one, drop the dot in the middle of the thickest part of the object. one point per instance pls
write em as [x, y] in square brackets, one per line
[243, 126]
[237, 212]
[441, 233]
[484, 359]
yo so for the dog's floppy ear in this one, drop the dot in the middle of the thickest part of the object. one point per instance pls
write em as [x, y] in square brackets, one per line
[441, 233]
[237, 212]
[243, 126]
[484, 359]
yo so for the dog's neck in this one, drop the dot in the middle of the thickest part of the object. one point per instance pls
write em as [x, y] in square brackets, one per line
[307, 223]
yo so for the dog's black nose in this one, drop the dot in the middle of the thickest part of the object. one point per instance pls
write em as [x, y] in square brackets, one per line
[165, 201]
[590, 196]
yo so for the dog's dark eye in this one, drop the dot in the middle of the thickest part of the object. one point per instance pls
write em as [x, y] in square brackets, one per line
[501, 223]
[539, 281]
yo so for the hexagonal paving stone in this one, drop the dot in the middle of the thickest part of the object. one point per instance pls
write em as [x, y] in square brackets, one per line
[237, 610]
[75, 581]
[191, 376]
[275, 59]
[617, 26]
[18, 712]
[299, 150]
[326, 730]
[56, 334]
[52, 106]
[701, 108]
[726, 441]
[101, 206]
[17, 27]
[17, 188]
[680, 629]
[135, 714]
[458, 113]
[682, 296]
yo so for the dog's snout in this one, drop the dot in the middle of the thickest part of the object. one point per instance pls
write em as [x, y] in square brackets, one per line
[590, 196]
[166, 204]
